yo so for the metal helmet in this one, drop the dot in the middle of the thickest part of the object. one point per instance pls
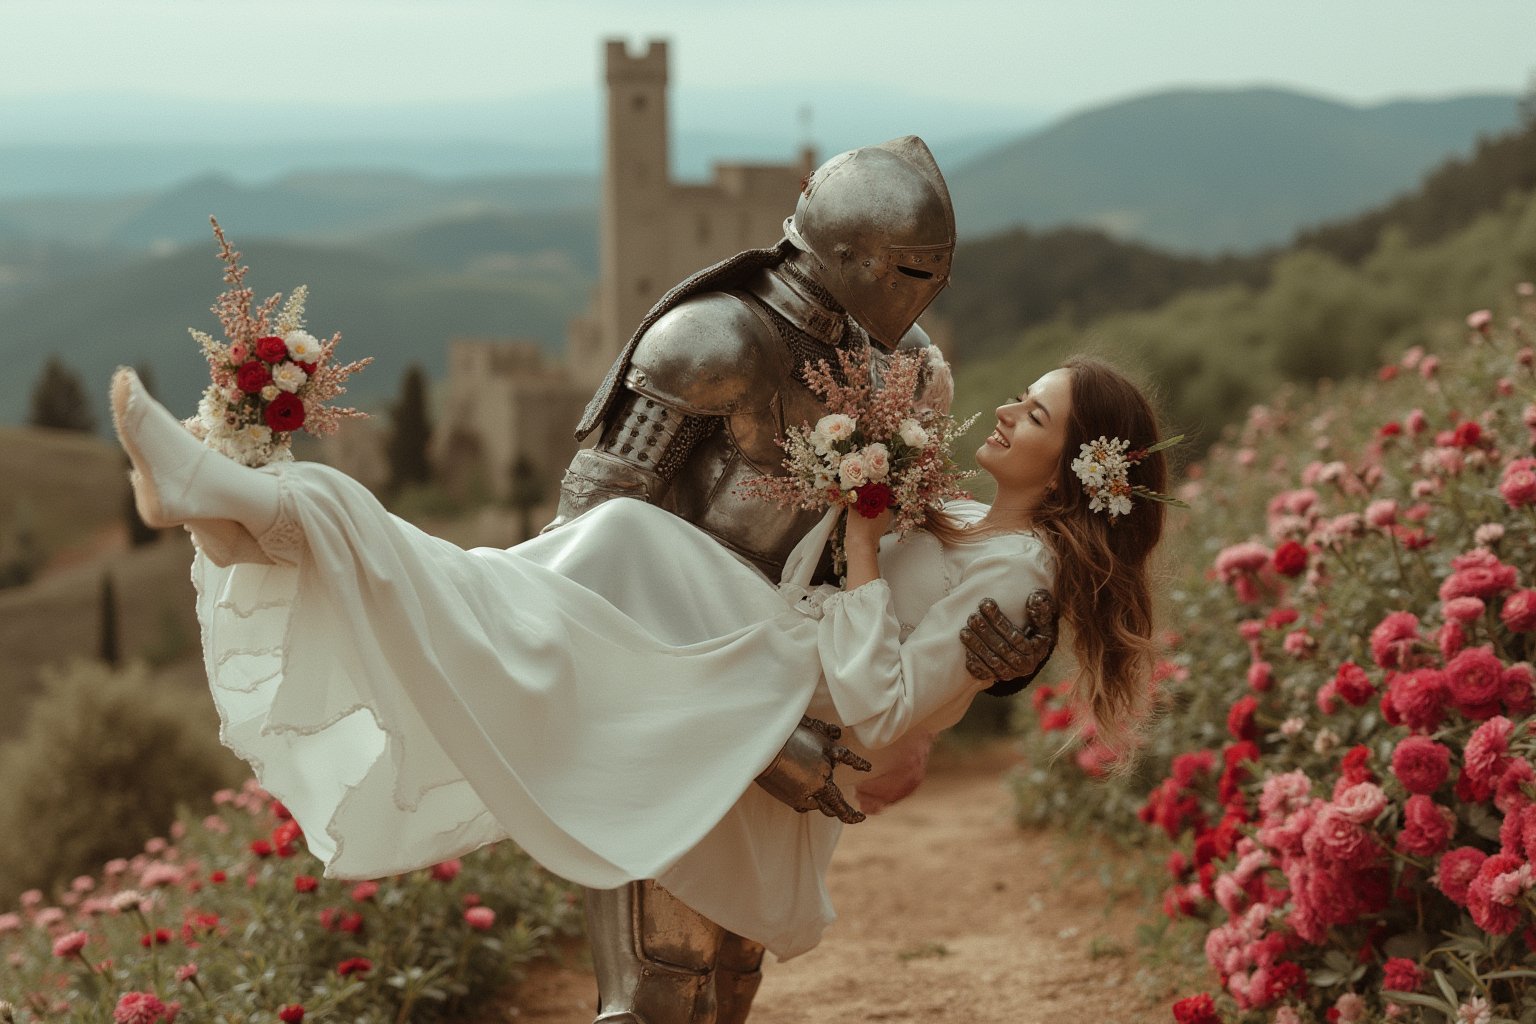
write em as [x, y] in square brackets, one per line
[880, 223]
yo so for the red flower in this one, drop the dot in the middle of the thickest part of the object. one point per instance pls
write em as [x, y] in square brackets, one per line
[261, 848]
[284, 413]
[1421, 764]
[1199, 1009]
[362, 892]
[158, 937]
[1495, 912]
[305, 883]
[1416, 699]
[448, 870]
[1427, 827]
[271, 350]
[291, 1014]
[354, 965]
[481, 919]
[873, 499]
[70, 944]
[1468, 434]
[1290, 559]
[1353, 766]
[1351, 683]
[252, 376]
[1240, 721]
[1475, 682]
[1402, 975]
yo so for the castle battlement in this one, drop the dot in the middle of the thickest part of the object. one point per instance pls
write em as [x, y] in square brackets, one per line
[650, 65]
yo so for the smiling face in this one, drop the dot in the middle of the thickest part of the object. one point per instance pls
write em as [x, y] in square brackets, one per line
[1023, 453]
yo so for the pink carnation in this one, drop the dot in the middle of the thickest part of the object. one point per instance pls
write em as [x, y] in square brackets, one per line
[69, 944]
[1478, 573]
[1493, 896]
[1463, 609]
[1475, 682]
[1518, 681]
[1457, 870]
[1361, 803]
[1427, 827]
[142, 1008]
[1487, 752]
[1518, 487]
[1402, 975]
[1381, 513]
[1519, 611]
[1416, 699]
[1335, 837]
[1261, 677]
[1393, 639]
[1421, 764]
[1283, 794]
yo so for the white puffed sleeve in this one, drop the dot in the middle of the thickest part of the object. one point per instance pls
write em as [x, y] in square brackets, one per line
[883, 686]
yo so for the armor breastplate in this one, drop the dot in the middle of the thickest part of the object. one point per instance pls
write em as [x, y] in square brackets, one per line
[704, 490]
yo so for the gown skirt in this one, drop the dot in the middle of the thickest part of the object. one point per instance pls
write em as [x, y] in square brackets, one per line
[603, 695]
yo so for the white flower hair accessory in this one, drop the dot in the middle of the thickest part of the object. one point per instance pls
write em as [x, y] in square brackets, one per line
[1104, 468]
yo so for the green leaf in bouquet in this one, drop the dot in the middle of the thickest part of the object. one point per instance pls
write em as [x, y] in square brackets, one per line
[1325, 978]
[1419, 999]
[1445, 988]
[1339, 961]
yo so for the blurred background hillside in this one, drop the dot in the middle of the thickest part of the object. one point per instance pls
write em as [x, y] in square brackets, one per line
[1225, 205]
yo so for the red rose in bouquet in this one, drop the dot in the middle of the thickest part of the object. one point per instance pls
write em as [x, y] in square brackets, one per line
[271, 349]
[252, 377]
[285, 413]
[873, 499]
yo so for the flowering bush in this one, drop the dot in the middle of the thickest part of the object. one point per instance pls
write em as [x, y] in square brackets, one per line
[227, 920]
[1344, 776]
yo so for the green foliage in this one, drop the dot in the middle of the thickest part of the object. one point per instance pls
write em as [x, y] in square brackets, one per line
[103, 762]
[58, 399]
[1212, 354]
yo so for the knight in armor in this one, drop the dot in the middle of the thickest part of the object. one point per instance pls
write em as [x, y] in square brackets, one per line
[693, 406]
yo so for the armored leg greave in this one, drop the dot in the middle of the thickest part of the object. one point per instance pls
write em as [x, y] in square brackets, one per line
[659, 962]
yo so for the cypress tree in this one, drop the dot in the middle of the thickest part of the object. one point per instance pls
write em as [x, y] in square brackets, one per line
[409, 432]
[58, 399]
[110, 652]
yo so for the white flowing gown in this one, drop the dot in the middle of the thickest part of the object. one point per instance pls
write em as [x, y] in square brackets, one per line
[603, 695]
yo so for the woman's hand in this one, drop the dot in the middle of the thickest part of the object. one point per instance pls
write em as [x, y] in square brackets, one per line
[861, 543]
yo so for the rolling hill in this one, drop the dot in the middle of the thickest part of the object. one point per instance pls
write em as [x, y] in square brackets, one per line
[1216, 170]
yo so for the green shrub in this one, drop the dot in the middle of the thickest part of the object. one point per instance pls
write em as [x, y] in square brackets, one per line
[102, 764]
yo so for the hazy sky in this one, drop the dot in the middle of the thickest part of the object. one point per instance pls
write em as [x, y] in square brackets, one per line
[1040, 55]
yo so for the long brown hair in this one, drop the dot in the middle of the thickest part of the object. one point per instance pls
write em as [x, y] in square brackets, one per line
[1103, 587]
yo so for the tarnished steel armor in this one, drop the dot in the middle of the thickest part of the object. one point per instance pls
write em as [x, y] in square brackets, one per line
[692, 406]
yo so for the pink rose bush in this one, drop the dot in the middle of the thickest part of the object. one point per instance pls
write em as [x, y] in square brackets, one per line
[229, 921]
[1344, 781]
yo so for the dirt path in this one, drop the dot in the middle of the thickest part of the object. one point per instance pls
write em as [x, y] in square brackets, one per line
[949, 914]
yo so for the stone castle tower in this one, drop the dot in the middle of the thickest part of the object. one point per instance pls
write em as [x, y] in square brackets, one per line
[656, 231]
[505, 402]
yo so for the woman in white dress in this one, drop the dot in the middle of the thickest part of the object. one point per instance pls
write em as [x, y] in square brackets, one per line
[409, 700]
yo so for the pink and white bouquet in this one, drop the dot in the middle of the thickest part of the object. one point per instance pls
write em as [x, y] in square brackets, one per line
[885, 442]
[271, 378]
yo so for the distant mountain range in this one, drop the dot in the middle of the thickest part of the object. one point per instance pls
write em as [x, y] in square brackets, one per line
[402, 263]
[1214, 170]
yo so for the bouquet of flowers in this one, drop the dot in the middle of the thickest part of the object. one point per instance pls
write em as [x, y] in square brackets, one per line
[271, 378]
[881, 445]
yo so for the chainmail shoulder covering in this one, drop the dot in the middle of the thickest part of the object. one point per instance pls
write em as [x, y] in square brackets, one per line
[719, 277]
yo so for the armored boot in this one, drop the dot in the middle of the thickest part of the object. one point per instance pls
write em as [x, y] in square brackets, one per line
[738, 973]
[655, 958]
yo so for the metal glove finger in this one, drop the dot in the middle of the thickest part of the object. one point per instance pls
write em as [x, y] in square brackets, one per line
[1022, 650]
[976, 667]
[1040, 613]
[824, 729]
[980, 660]
[999, 636]
[842, 755]
[832, 803]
